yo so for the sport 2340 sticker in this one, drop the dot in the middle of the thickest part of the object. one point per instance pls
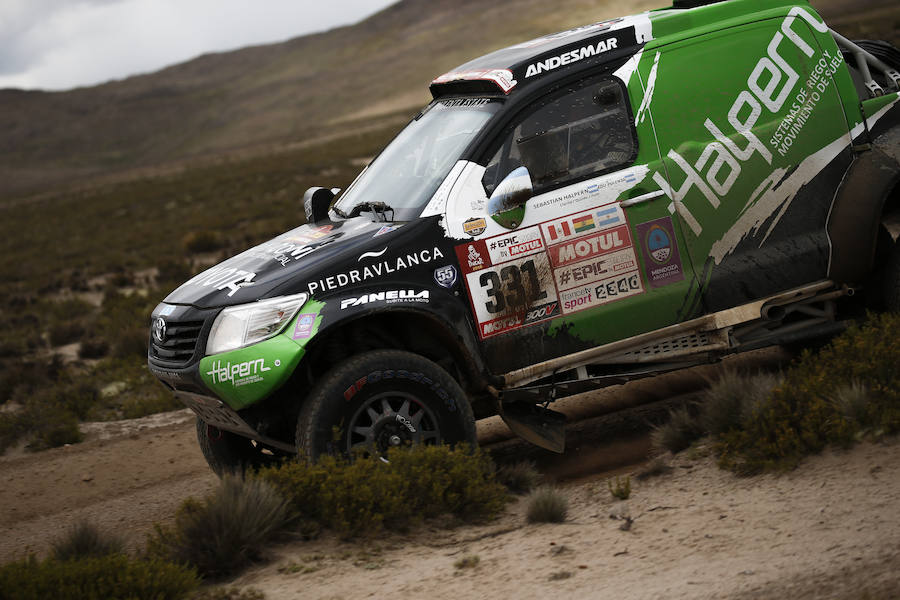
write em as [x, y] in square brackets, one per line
[509, 280]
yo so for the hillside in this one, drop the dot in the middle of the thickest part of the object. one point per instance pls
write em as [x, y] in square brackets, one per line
[262, 98]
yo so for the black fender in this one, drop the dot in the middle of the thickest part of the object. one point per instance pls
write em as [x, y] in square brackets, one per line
[417, 310]
[860, 202]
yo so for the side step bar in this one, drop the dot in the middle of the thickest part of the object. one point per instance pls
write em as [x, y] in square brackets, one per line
[683, 345]
[714, 329]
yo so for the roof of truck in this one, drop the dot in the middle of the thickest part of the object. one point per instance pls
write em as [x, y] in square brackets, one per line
[510, 69]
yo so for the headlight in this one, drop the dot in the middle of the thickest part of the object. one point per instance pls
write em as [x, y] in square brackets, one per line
[247, 324]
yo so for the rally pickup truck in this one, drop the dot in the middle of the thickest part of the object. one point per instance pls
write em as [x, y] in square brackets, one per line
[602, 204]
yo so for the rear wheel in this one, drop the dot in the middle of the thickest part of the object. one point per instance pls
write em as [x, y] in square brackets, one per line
[890, 283]
[882, 50]
[229, 453]
[381, 400]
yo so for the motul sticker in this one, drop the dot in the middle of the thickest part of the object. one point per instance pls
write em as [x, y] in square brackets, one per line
[588, 246]
[515, 245]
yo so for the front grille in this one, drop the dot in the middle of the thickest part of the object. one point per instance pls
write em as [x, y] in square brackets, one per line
[185, 331]
[180, 343]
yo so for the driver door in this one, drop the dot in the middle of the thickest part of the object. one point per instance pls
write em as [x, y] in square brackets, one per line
[593, 256]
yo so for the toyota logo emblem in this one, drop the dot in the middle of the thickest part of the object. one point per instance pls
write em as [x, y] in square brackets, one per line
[159, 330]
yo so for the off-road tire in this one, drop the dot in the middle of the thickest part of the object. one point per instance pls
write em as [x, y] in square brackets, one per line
[229, 453]
[358, 405]
[882, 50]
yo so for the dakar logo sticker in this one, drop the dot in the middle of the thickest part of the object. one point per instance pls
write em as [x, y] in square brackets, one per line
[474, 257]
[661, 255]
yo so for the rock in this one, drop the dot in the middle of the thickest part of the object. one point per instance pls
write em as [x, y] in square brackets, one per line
[113, 389]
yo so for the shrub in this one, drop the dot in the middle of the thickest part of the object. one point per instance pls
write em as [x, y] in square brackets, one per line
[131, 343]
[800, 417]
[442, 480]
[93, 348]
[547, 505]
[112, 576]
[622, 489]
[854, 402]
[519, 478]
[202, 241]
[658, 465]
[84, 539]
[732, 399]
[143, 402]
[470, 561]
[172, 272]
[361, 496]
[48, 416]
[227, 530]
[678, 433]
[65, 332]
[25, 376]
[228, 593]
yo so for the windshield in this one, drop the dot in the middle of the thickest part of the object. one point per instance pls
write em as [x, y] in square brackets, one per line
[404, 177]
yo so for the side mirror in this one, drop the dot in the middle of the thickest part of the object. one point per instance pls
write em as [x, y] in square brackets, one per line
[316, 202]
[507, 204]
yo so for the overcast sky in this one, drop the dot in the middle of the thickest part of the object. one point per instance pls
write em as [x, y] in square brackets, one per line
[61, 44]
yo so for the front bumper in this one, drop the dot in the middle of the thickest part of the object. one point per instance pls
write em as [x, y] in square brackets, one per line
[213, 411]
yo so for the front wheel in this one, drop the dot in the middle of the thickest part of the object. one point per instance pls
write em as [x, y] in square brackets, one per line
[230, 453]
[380, 400]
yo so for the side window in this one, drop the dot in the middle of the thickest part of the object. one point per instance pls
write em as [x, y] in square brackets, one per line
[585, 129]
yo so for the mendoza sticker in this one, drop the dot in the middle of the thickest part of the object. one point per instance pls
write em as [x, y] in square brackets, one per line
[661, 256]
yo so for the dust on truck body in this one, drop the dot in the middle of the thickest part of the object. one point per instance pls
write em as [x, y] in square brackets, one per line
[602, 204]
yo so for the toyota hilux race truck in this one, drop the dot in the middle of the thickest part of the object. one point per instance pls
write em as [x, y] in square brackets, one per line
[602, 204]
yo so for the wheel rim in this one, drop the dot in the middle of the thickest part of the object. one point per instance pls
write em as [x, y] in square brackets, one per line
[391, 420]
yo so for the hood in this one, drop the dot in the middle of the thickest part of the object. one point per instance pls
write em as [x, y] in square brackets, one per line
[280, 266]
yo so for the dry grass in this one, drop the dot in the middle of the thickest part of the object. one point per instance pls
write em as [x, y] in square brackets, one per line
[84, 539]
[227, 530]
[547, 505]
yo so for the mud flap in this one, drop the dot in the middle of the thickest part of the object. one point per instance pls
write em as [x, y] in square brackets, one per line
[540, 426]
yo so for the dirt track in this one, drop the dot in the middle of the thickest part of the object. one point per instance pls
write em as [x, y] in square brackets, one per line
[143, 469]
[124, 484]
[828, 530]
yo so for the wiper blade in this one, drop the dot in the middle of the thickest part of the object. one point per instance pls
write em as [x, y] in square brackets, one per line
[340, 213]
[378, 208]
